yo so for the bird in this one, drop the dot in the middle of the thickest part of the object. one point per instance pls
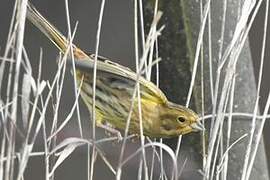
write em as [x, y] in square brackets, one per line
[114, 89]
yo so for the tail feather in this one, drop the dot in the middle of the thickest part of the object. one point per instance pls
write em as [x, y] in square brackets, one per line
[51, 32]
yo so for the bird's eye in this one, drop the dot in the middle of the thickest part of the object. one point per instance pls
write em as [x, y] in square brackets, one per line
[181, 119]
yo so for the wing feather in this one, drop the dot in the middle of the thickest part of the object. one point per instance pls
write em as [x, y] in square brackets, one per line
[151, 91]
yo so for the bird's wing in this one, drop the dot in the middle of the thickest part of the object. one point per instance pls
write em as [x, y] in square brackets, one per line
[125, 75]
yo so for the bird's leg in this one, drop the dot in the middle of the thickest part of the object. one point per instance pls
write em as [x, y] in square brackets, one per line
[111, 130]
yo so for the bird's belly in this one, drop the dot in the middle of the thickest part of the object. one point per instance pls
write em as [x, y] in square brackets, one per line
[114, 105]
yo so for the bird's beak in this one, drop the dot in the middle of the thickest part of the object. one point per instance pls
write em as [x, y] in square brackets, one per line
[197, 126]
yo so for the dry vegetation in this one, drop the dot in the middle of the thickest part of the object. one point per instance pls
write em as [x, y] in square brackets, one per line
[23, 106]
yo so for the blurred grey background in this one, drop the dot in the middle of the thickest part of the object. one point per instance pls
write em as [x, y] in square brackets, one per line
[117, 43]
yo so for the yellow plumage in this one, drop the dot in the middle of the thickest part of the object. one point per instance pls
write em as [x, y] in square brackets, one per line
[114, 89]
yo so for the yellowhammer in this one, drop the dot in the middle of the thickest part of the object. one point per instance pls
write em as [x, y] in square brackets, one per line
[114, 88]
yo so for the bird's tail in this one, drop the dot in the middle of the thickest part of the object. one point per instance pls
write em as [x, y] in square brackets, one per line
[51, 32]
